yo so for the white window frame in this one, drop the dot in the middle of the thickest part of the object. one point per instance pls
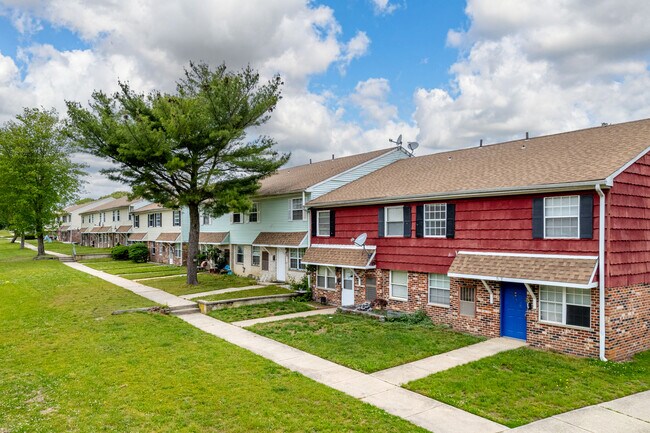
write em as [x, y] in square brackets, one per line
[158, 219]
[136, 221]
[239, 216]
[256, 252]
[564, 304]
[429, 223]
[386, 221]
[255, 210]
[318, 218]
[178, 250]
[206, 219]
[577, 235]
[296, 254]
[292, 209]
[348, 277]
[237, 254]
[392, 296]
[467, 303]
[440, 285]
[327, 273]
[176, 218]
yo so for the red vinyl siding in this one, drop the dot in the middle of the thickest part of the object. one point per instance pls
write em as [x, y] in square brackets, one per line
[482, 224]
[628, 234]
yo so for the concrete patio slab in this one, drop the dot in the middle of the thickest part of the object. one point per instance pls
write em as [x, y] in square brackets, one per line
[251, 322]
[433, 364]
[636, 406]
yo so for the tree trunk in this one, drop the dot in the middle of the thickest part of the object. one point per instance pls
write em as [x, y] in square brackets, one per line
[193, 245]
[13, 240]
[41, 245]
[22, 240]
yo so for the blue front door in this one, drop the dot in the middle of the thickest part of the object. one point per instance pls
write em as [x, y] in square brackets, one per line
[513, 310]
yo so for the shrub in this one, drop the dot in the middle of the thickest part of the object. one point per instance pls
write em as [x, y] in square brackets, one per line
[302, 286]
[417, 318]
[139, 253]
[379, 304]
[120, 252]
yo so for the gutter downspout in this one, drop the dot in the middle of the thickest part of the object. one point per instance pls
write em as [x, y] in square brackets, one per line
[601, 273]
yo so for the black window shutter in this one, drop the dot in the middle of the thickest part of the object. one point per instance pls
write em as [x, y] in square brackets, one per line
[419, 221]
[538, 218]
[451, 220]
[332, 223]
[407, 221]
[314, 222]
[380, 223]
[586, 216]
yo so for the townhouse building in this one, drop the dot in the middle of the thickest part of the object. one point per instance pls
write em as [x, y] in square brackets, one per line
[107, 224]
[544, 239]
[160, 229]
[69, 223]
[269, 241]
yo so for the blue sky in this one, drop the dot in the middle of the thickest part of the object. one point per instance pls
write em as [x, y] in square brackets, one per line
[356, 73]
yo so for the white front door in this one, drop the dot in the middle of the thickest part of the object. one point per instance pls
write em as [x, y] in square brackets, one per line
[347, 288]
[281, 264]
[171, 254]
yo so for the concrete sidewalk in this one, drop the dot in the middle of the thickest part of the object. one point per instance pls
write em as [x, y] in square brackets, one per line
[425, 367]
[629, 414]
[317, 312]
[50, 253]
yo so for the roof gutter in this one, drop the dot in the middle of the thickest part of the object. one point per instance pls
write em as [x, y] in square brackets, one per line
[587, 185]
[601, 274]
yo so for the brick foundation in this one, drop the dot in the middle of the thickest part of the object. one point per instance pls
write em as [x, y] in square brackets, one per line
[628, 315]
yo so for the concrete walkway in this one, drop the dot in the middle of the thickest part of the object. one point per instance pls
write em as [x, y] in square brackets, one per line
[316, 312]
[50, 253]
[425, 367]
[629, 414]
[157, 278]
[216, 292]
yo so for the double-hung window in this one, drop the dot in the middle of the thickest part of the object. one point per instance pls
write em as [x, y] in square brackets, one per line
[239, 258]
[323, 223]
[296, 209]
[435, 220]
[256, 256]
[136, 221]
[399, 284]
[295, 259]
[394, 221]
[237, 218]
[206, 219]
[155, 220]
[565, 305]
[178, 250]
[468, 301]
[562, 217]
[326, 277]
[176, 218]
[254, 214]
[439, 289]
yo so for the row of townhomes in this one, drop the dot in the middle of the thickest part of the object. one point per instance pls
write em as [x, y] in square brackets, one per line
[544, 239]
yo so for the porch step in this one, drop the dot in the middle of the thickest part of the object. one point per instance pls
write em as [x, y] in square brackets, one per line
[184, 309]
[66, 259]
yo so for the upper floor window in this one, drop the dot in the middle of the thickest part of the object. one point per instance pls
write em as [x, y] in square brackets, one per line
[136, 221]
[155, 220]
[399, 284]
[116, 215]
[323, 223]
[296, 209]
[435, 220]
[254, 214]
[394, 221]
[565, 305]
[239, 258]
[83, 220]
[176, 217]
[439, 289]
[295, 259]
[562, 217]
[206, 219]
[237, 218]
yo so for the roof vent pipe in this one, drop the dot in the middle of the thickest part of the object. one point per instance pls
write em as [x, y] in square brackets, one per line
[332, 156]
[526, 135]
[480, 144]
[310, 160]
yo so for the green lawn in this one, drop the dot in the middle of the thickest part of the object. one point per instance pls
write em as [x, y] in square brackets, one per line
[362, 343]
[135, 271]
[67, 364]
[6, 234]
[207, 282]
[520, 386]
[261, 310]
[262, 291]
[63, 248]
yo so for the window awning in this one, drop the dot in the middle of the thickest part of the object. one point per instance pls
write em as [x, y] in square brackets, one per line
[137, 236]
[64, 228]
[214, 238]
[168, 237]
[102, 229]
[123, 229]
[341, 256]
[548, 269]
[281, 239]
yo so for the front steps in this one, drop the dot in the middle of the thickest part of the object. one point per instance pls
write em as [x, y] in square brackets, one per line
[180, 310]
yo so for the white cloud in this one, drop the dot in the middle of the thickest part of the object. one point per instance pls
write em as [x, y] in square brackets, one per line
[355, 48]
[384, 7]
[542, 67]
[370, 97]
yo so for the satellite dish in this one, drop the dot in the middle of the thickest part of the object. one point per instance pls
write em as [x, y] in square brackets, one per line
[413, 145]
[361, 240]
[398, 141]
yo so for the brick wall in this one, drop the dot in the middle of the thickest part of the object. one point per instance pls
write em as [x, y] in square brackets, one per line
[627, 321]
